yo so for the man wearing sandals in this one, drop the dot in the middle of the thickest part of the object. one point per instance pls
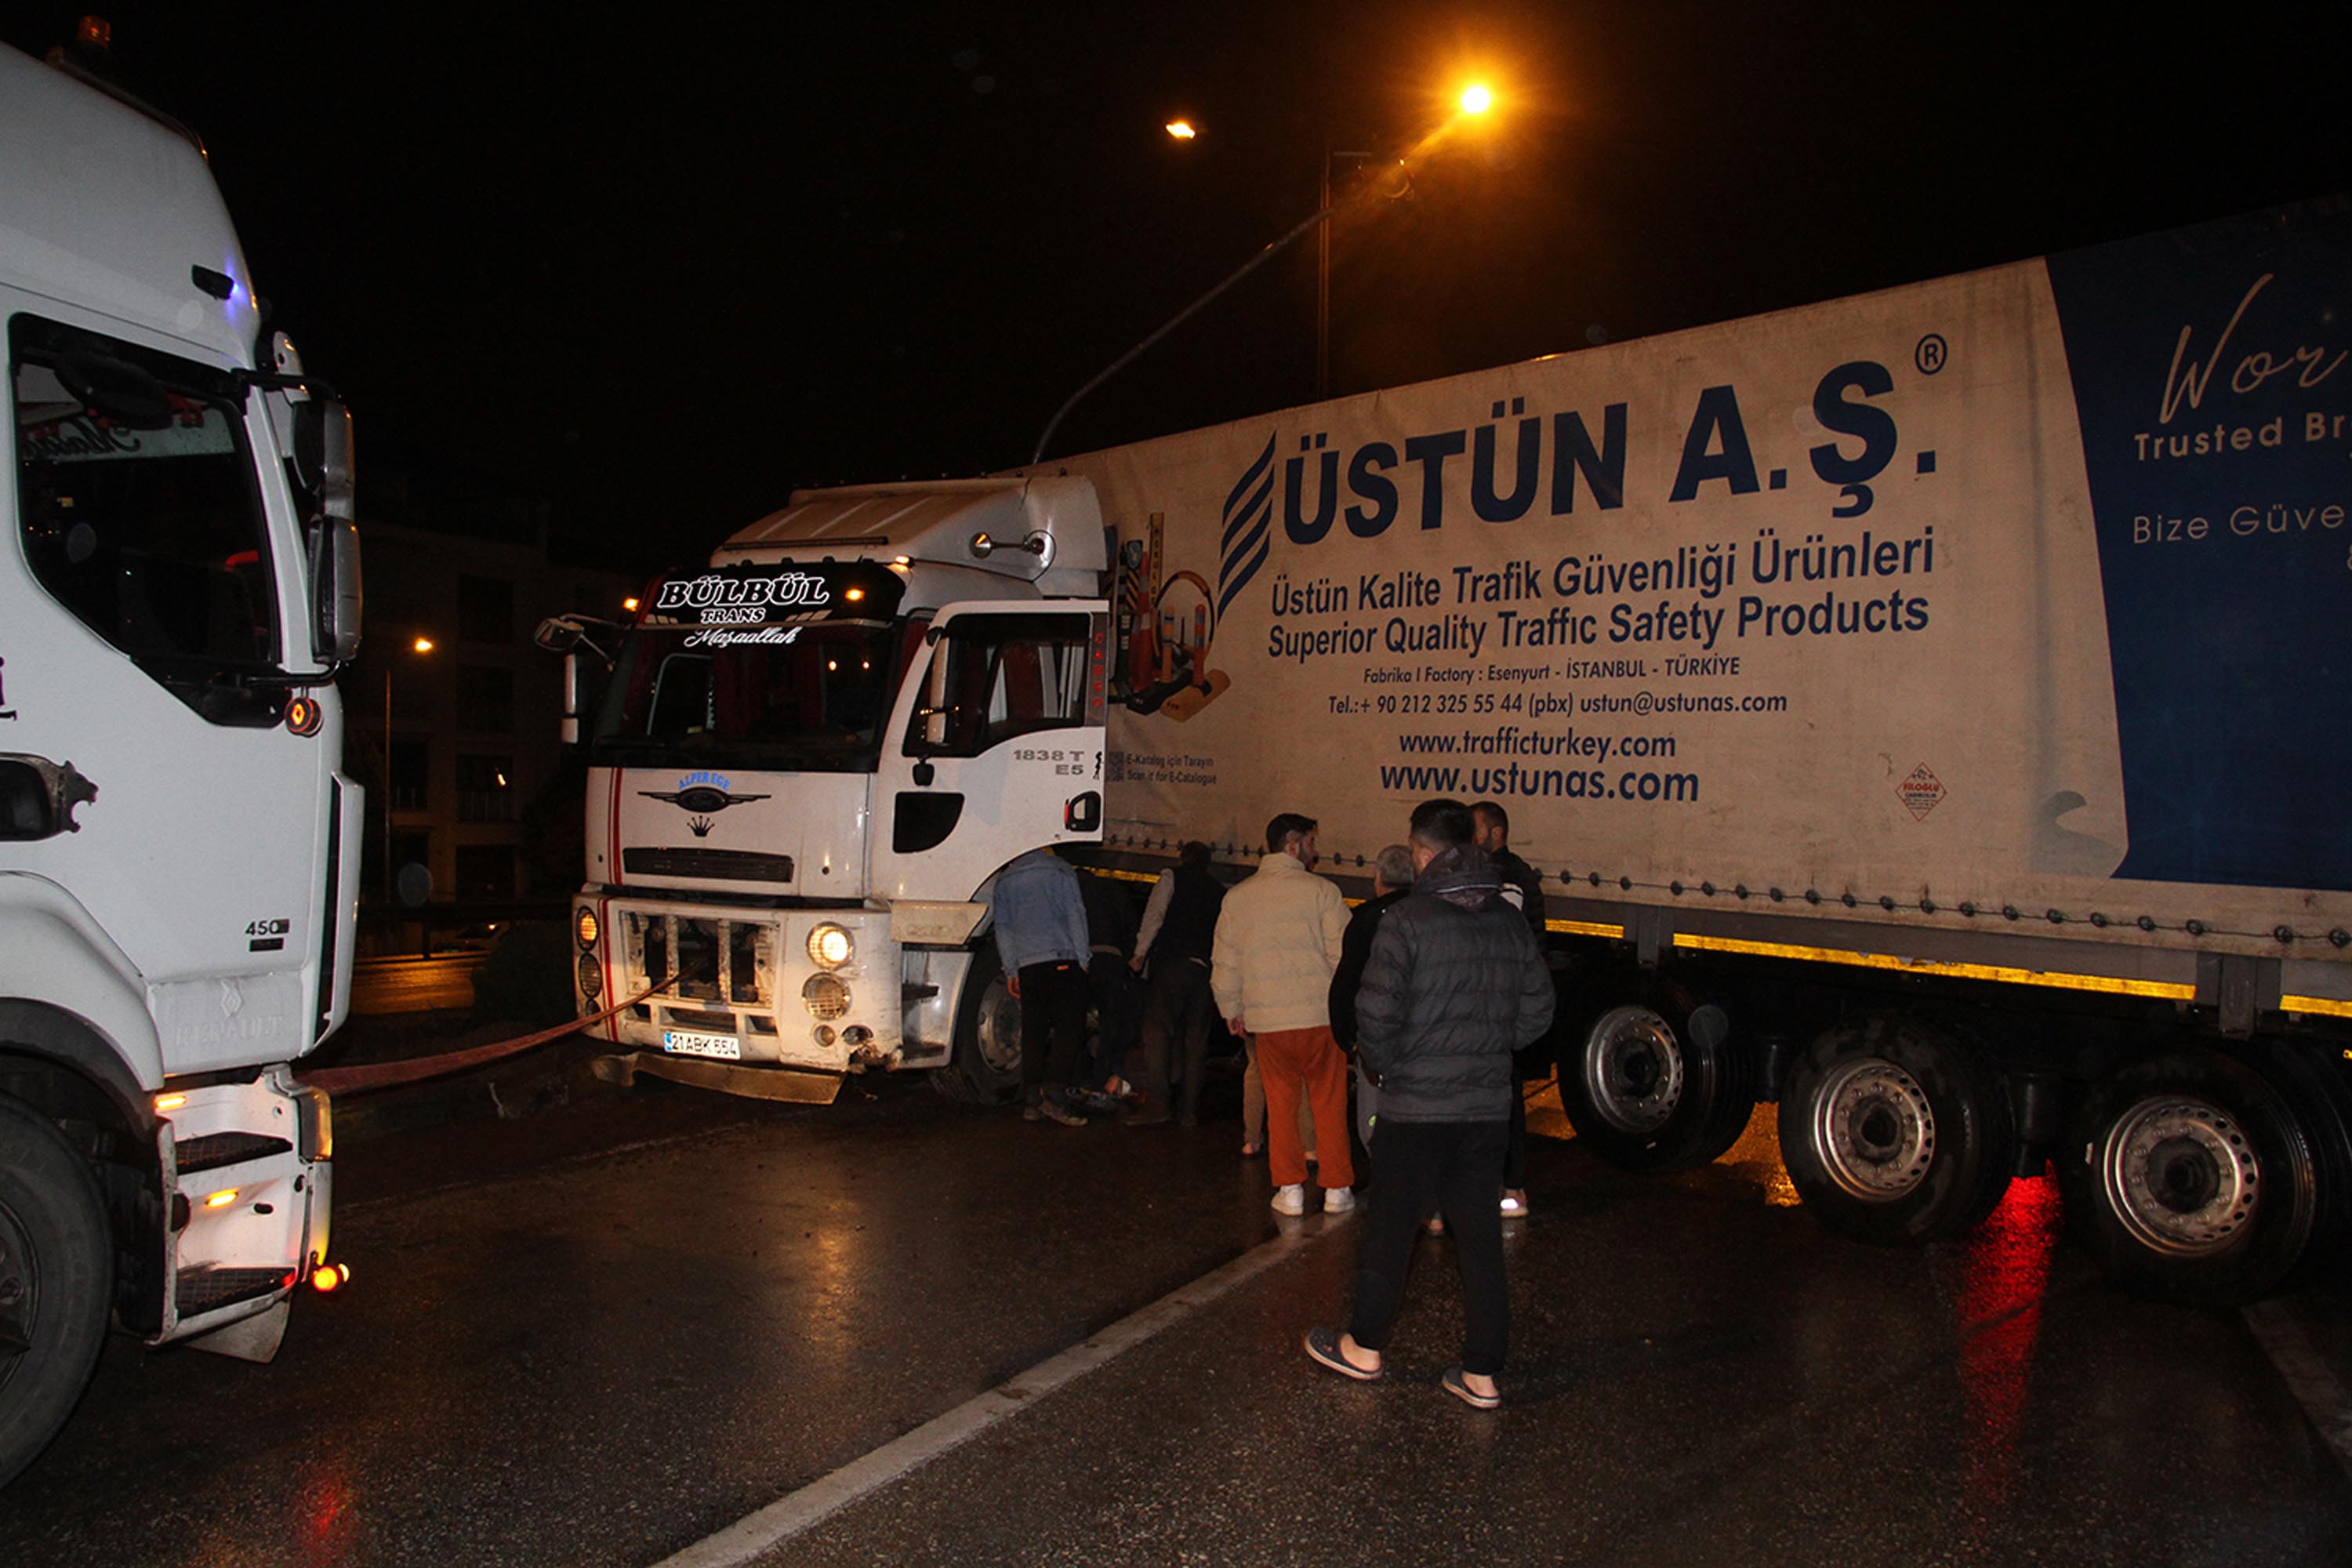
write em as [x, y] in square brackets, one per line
[1454, 984]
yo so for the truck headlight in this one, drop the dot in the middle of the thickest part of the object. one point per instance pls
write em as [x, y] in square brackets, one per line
[587, 926]
[829, 946]
[825, 996]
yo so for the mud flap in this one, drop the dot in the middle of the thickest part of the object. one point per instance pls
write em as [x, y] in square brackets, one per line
[254, 1339]
[790, 1084]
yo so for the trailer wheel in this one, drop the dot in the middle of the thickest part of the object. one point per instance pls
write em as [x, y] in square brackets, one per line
[2191, 1177]
[987, 1033]
[56, 1278]
[1892, 1134]
[1658, 1087]
[2318, 1093]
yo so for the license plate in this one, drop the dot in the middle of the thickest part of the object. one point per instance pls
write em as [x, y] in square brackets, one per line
[692, 1043]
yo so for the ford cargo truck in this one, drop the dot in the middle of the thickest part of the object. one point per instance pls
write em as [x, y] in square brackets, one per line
[814, 754]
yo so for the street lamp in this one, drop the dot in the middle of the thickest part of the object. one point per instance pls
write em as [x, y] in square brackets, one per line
[1476, 100]
[419, 646]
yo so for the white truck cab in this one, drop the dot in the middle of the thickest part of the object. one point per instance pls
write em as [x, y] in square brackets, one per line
[176, 846]
[814, 755]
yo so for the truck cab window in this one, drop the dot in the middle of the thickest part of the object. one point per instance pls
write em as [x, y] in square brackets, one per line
[997, 677]
[139, 506]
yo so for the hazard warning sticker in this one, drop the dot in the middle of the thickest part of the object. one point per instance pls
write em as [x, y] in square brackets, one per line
[1921, 792]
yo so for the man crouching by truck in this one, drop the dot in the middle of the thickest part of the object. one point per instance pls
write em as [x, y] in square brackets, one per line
[1455, 984]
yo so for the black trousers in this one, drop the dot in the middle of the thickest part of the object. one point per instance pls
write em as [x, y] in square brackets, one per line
[1118, 1010]
[1454, 1167]
[1052, 1026]
[1528, 1064]
[1179, 1013]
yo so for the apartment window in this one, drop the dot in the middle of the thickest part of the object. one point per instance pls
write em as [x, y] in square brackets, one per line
[485, 788]
[412, 771]
[485, 700]
[486, 610]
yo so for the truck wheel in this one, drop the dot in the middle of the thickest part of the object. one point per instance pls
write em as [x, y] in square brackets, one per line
[56, 1278]
[987, 1033]
[2318, 1093]
[2191, 1178]
[1892, 1134]
[1658, 1087]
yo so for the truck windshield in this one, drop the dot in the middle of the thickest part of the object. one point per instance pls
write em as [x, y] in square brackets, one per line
[811, 696]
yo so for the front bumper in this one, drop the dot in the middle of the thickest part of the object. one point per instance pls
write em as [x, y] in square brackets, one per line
[249, 1189]
[737, 987]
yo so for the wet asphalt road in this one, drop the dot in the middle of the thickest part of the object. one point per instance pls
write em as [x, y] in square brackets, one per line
[601, 1335]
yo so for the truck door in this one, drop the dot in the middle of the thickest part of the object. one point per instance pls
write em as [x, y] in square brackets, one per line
[996, 747]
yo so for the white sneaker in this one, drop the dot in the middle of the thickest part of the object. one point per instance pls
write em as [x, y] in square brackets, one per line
[1339, 1200]
[1290, 1200]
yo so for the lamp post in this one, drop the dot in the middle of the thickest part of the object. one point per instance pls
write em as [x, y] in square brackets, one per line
[1323, 276]
[419, 646]
[1475, 101]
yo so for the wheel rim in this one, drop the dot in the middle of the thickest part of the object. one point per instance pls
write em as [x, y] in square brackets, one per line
[2181, 1175]
[997, 1028]
[1634, 1069]
[1872, 1129]
[20, 1294]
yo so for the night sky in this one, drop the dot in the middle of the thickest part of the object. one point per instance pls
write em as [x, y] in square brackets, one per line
[657, 267]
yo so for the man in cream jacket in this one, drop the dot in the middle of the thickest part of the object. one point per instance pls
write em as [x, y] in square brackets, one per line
[1277, 943]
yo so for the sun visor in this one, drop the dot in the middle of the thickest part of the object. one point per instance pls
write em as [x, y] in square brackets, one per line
[1036, 531]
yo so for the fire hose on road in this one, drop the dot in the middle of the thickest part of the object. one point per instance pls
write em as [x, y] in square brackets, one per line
[363, 1078]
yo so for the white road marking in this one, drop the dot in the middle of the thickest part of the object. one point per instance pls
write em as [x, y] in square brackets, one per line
[2307, 1376]
[802, 1510]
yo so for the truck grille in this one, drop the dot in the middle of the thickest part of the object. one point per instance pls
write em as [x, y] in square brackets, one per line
[722, 865]
[713, 959]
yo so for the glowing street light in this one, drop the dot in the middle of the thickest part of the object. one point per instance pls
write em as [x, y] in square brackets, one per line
[1475, 101]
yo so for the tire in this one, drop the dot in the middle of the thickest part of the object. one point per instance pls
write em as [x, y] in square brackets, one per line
[1659, 1085]
[56, 1281]
[987, 1068]
[1892, 1134]
[2318, 1093]
[2189, 1176]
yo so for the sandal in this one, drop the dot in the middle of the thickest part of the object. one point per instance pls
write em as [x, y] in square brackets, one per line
[1453, 1385]
[1323, 1346]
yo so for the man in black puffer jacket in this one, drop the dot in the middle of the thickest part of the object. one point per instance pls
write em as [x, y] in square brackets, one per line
[1454, 984]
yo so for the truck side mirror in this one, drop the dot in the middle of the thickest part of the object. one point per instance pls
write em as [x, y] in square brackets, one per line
[570, 733]
[335, 588]
[323, 455]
